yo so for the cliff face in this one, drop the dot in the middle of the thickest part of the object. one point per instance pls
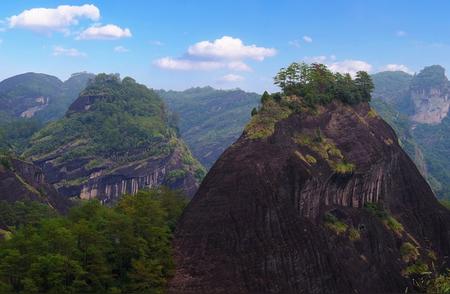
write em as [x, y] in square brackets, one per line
[322, 202]
[430, 95]
[108, 180]
[116, 138]
[431, 106]
[21, 181]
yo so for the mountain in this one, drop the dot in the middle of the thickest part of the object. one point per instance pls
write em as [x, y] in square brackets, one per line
[115, 138]
[29, 101]
[393, 88]
[210, 120]
[39, 95]
[417, 107]
[23, 181]
[317, 199]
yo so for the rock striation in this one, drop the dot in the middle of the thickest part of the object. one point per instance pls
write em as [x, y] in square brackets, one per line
[24, 181]
[115, 138]
[322, 201]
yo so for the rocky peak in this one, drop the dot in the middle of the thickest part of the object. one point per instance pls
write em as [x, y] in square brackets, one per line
[115, 139]
[430, 95]
[310, 200]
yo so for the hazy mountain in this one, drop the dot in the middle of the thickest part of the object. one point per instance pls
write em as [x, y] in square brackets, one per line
[210, 120]
[116, 138]
[39, 95]
[417, 107]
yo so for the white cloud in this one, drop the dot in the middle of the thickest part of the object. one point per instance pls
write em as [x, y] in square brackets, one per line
[397, 67]
[120, 49]
[232, 78]
[205, 65]
[307, 39]
[226, 52]
[71, 52]
[53, 19]
[185, 64]
[238, 66]
[106, 32]
[350, 66]
[229, 48]
[400, 33]
[346, 66]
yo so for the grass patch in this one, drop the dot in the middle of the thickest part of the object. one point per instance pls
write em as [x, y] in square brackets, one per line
[327, 150]
[262, 125]
[372, 113]
[310, 159]
[389, 221]
[175, 175]
[417, 268]
[354, 234]
[332, 223]
[409, 252]
[393, 224]
[97, 162]
[343, 168]
[446, 203]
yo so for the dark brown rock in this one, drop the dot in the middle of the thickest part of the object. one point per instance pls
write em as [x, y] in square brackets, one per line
[256, 224]
[24, 181]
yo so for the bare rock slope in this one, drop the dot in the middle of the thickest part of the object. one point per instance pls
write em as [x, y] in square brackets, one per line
[319, 201]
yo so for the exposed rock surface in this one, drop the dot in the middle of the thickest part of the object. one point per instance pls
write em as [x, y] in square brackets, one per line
[431, 106]
[116, 138]
[21, 181]
[260, 221]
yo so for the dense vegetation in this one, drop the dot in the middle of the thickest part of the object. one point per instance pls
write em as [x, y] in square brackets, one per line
[434, 140]
[17, 132]
[126, 110]
[315, 83]
[428, 145]
[114, 122]
[19, 93]
[210, 120]
[304, 87]
[393, 88]
[95, 249]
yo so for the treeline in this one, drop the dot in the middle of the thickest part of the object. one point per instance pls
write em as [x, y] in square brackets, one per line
[316, 84]
[95, 249]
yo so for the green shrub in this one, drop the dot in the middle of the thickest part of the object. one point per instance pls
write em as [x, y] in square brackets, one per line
[175, 175]
[409, 252]
[310, 159]
[354, 234]
[334, 224]
[394, 225]
[343, 168]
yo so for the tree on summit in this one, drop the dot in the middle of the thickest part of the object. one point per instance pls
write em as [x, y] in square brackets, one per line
[316, 84]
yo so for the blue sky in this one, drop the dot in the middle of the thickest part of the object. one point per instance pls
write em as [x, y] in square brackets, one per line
[225, 44]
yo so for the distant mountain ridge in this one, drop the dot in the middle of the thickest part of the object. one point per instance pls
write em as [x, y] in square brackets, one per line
[210, 119]
[40, 95]
[417, 107]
